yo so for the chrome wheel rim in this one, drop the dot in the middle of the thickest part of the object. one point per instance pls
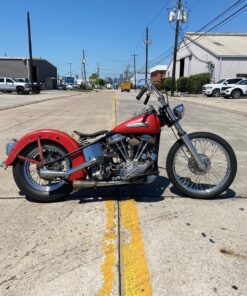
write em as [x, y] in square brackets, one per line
[31, 170]
[217, 167]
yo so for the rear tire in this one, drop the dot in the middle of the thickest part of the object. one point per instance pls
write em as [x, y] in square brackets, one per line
[20, 91]
[181, 181]
[25, 182]
[236, 94]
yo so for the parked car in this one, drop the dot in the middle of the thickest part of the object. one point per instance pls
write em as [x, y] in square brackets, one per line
[36, 85]
[10, 85]
[70, 86]
[61, 86]
[214, 89]
[235, 91]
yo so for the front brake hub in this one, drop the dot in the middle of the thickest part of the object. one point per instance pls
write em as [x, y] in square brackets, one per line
[193, 166]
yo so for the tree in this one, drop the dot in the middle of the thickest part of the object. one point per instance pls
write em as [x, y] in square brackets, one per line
[101, 82]
[94, 78]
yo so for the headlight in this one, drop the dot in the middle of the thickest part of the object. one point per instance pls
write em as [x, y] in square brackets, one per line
[209, 87]
[179, 111]
[9, 147]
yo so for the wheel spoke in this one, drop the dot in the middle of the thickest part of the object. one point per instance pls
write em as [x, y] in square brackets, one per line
[191, 177]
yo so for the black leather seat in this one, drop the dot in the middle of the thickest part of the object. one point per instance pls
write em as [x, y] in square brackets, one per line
[94, 135]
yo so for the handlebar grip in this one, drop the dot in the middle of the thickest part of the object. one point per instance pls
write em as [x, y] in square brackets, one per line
[141, 93]
[147, 99]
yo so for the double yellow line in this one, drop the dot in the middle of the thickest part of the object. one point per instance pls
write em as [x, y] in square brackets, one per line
[134, 276]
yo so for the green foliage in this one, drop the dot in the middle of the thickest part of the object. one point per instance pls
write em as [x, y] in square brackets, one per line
[83, 86]
[94, 77]
[182, 84]
[167, 83]
[101, 82]
[196, 82]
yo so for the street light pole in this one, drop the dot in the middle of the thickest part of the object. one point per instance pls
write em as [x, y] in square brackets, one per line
[135, 55]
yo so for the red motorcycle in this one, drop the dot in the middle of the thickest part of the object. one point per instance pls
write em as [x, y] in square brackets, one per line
[48, 164]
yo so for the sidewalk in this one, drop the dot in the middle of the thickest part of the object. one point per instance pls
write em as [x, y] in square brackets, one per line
[235, 106]
[8, 101]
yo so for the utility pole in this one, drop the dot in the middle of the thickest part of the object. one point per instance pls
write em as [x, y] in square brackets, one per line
[84, 66]
[179, 15]
[70, 73]
[147, 42]
[97, 70]
[30, 52]
[135, 55]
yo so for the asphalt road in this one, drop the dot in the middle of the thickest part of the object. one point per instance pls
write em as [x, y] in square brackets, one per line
[145, 240]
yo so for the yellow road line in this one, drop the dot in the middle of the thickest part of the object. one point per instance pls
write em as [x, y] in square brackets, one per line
[135, 275]
[110, 249]
[109, 240]
[135, 278]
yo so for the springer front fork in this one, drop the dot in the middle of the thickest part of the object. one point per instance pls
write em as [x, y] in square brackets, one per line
[187, 141]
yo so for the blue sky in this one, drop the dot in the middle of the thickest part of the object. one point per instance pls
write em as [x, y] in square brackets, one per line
[109, 31]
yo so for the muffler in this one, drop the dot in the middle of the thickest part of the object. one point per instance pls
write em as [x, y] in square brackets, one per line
[51, 174]
[94, 184]
[82, 184]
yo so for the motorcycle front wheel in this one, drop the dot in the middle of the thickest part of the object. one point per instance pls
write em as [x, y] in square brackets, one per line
[26, 174]
[220, 166]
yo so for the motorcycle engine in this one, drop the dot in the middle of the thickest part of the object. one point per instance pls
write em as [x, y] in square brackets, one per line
[134, 156]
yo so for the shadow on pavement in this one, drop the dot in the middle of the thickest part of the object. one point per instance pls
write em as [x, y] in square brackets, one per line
[141, 193]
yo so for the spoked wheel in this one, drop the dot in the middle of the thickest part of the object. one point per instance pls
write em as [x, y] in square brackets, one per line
[27, 177]
[220, 166]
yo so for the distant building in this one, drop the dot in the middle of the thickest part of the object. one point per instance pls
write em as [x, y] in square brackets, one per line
[17, 67]
[158, 73]
[223, 55]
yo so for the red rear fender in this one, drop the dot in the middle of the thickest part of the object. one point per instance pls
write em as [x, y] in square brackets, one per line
[59, 137]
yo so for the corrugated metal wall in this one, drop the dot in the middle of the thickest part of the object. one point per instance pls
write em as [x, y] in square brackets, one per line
[13, 68]
[18, 68]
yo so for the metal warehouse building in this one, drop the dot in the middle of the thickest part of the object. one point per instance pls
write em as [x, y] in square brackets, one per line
[223, 55]
[17, 67]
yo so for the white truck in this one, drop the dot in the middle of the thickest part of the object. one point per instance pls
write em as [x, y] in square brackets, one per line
[109, 86]
[10, 85]
[235, 91]
[214, 89]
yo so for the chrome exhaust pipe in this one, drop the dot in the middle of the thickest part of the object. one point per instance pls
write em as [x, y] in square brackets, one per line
[79, 184]
[50, 174]
[93, 184]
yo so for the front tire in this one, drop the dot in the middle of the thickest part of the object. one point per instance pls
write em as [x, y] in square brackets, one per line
[27, 178]
[217, 155]
[216, 93]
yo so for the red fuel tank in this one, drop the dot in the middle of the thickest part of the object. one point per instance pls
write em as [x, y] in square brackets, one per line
[141, 124]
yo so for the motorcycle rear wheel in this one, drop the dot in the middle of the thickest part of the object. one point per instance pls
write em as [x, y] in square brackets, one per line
[218, 157]
[27, 178]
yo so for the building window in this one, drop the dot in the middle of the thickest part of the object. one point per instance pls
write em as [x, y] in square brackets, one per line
[242, 75]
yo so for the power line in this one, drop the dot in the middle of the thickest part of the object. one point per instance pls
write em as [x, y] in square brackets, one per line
[158, 14]
[221, 23]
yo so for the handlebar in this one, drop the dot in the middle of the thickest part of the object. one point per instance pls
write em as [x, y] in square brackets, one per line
[152, 89]
[141, 93]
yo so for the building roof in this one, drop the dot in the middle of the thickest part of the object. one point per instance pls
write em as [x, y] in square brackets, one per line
[158, 68]
[25, 58]
[221, 44]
